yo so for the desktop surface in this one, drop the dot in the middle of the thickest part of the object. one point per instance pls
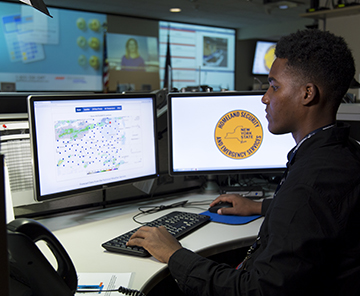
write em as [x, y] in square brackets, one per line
[83, 233]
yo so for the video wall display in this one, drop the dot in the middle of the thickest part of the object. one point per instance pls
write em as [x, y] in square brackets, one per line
[39, 53]
[200, 55]
[66, 52]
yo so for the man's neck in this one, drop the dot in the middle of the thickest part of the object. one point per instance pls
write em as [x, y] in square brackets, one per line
[298, 137]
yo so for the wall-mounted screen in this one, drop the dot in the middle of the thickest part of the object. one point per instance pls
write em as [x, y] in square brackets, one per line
[133, 62]
[133, 53]
[200, 55]
[39, 53]
[224, 132]
[263, 57]
[86, 142]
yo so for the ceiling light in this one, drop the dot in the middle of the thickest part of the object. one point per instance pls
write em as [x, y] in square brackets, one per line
[287, 4]
[175, 9]
[283, 6]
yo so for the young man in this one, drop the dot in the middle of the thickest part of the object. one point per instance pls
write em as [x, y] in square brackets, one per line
[309, 242]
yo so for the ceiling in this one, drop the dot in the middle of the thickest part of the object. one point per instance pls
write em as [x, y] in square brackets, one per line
[237, 14]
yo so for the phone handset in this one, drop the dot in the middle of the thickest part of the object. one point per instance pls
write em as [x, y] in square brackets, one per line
[32, 264]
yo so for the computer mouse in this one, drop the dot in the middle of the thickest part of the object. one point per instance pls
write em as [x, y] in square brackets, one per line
[220, 205]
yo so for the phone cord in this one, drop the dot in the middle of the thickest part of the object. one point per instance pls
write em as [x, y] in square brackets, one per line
[127, 291]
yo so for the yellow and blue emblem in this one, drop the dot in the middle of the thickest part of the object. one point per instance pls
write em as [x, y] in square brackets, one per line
[238, 134]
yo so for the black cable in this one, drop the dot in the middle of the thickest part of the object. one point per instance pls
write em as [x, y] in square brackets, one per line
[184, 204]
[198, 204]
[142, 212]
[152, 209]
[125, 291]
[157, 209]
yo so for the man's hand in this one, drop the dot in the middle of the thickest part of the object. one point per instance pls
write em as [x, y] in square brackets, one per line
[157, 241]
[242, 206]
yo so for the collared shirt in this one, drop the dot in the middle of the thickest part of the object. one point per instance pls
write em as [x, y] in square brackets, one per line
[309, 238]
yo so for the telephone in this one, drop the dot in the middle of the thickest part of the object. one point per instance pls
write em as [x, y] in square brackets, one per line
[30, 272]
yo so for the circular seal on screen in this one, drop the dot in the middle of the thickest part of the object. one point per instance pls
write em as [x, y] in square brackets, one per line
[269, 57]
[238, 134]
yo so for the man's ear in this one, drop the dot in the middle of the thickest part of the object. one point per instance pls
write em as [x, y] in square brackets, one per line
[310, 94]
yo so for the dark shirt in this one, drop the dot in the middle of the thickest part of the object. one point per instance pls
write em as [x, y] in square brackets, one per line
[130, 64]
[309, 240]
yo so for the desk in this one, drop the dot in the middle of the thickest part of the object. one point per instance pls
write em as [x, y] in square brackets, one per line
[82, 234]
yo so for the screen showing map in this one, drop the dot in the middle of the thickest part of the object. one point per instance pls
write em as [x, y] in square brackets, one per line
[223, 132]
[85, 142]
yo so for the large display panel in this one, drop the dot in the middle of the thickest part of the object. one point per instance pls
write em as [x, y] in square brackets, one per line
[133, 52]
[223, 132]
[200, 55]
[133, 62]
[263, 57]
[39, 53]
[89, 142]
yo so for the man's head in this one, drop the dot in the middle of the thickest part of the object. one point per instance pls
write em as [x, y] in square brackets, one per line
[320, 58]
[308, 79]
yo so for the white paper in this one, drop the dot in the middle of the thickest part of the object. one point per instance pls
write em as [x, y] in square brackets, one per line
[103, 281]
[38, 27]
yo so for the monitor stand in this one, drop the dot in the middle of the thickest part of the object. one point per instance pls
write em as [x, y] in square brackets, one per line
[211, 184]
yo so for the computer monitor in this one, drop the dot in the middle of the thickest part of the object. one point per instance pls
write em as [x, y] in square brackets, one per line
[89, 142]
[264, 56]
[223, 133]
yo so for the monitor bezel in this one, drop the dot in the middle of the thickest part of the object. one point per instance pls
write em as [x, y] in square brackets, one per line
[172, 172]
[34, 151]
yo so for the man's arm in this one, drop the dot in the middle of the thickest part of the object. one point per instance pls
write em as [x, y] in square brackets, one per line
[161, 244]
[285, 259]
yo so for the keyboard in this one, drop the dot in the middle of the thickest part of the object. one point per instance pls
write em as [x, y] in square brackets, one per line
[177, 223]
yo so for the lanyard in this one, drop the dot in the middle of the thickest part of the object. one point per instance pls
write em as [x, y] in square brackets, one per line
[294, 151]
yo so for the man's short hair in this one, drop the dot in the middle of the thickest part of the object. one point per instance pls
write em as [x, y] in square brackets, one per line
[321, 58]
